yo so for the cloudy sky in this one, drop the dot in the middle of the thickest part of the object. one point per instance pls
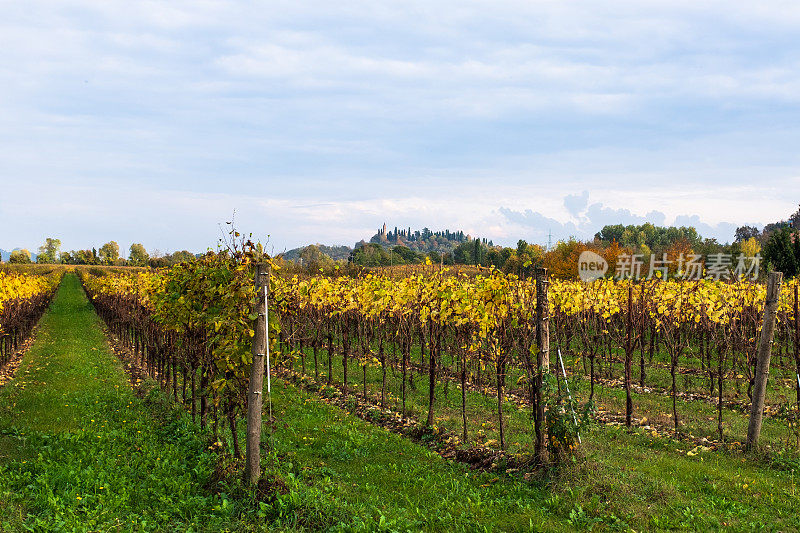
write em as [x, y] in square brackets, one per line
[319, 121]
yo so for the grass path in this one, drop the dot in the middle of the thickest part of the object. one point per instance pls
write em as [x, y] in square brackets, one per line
[79, 450]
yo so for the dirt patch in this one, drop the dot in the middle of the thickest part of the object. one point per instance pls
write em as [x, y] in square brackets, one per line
[269, 487]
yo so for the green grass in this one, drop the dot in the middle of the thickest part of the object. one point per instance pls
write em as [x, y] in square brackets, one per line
[630, 476]
[696, 418]
[80, 452]
[628, 480]
[381, 478]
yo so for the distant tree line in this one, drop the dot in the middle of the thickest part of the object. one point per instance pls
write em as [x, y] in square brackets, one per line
[478, 252]
[777, 243]
[334, 252]
[423, 241]
[108, 254]
[403, 235]
[780, 242]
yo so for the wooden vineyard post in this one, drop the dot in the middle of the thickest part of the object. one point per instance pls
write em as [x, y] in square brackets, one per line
[542, 360]
[628, 357]
[255, 398]
[432, 376]
[764, 353]
[642, 327]
[796, 344]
